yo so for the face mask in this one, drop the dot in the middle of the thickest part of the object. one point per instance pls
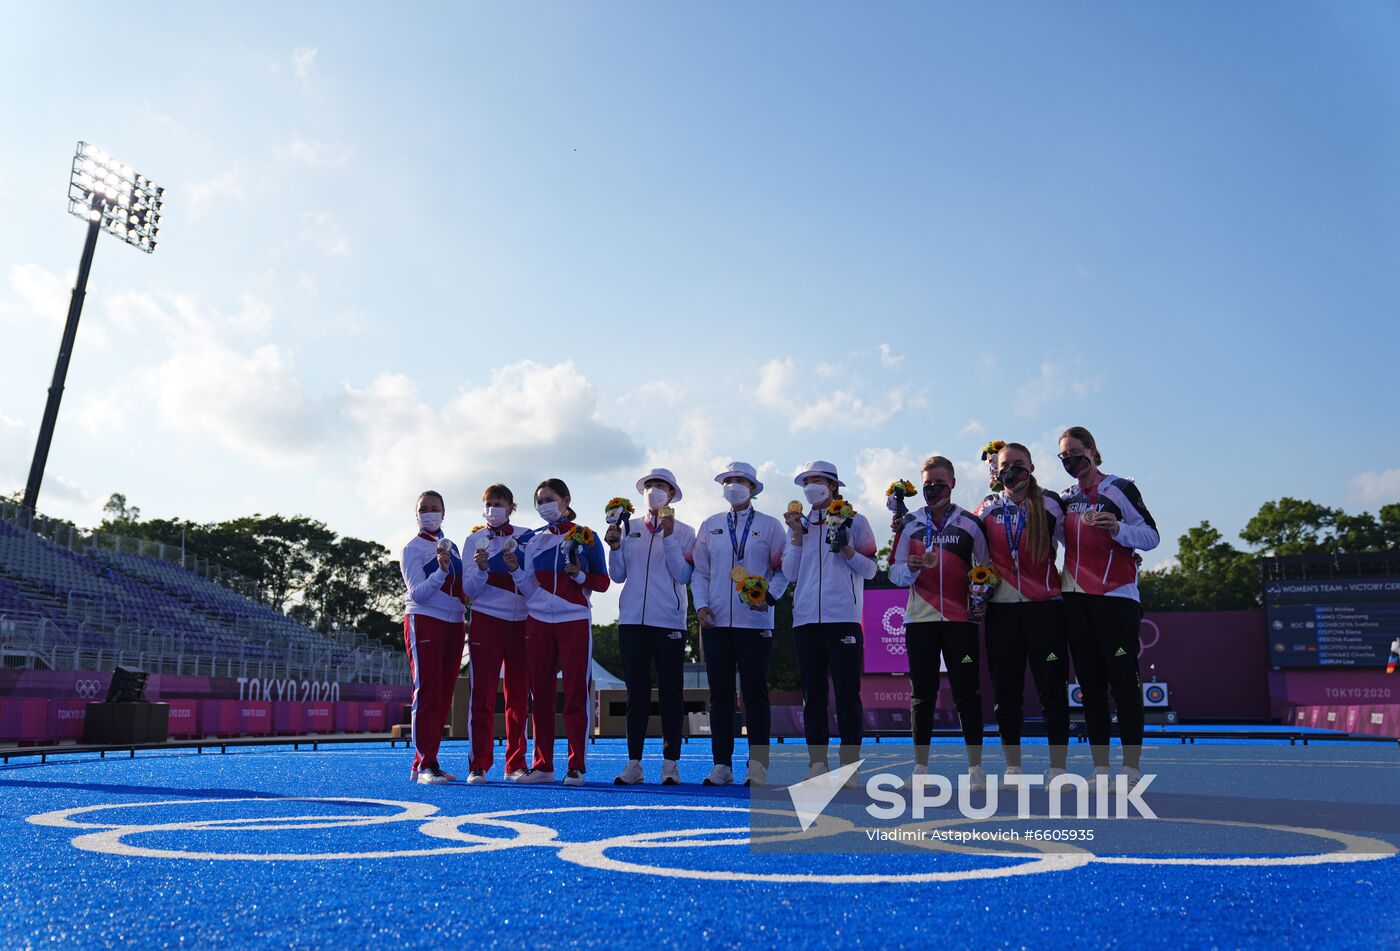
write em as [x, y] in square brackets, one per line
[1013, 476]
[934, 492]
[549, 511]
[657, 497]
[429, 521]
[816, 493]
[497, 515]
[1075, 465]
[736, 493]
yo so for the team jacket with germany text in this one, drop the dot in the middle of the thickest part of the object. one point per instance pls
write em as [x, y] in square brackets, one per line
[939, 593]
[1095, 561]
[1023, 577]
[552, 595]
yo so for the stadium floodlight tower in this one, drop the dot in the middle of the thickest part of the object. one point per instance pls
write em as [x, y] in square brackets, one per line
[110, 197]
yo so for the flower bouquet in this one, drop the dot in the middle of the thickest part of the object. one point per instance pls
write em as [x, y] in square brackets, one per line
[839, 513]
[619, 512]
[895, 495]
[753, 591]
[989, 456]
[981, 582]
[575, 543]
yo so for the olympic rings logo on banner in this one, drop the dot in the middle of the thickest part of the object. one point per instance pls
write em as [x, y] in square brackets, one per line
[1156, 635]
[87, 689]
[447, 835]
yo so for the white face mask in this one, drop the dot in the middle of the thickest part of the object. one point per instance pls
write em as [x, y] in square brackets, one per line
[497, 515]
[549, 511]
[429, 521]
[736, 493]
[816, 493]
[657, 497]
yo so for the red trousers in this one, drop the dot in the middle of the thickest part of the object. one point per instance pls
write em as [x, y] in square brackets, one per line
[434, 662]
[567, 645]
[493, 641]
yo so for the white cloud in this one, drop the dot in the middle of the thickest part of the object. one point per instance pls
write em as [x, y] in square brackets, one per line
[889, 358]
[1051, 384]
[777, 388]
[249, 401]
[317, 154]
[44, 293]
[321, 230]
[973, 428]
[527, 422]
[875, 470]
[58, 495]
[1375, 488]
[231, 186]
[303, 61]
[666, 394]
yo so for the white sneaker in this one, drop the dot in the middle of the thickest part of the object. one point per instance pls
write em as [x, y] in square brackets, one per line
[1011, 771]
[758, 774]
[413, 775]
[1054, 772]
[670, 772]
[537, 776]
[1132, 775]
[631, 774]
[977, 778]
[573, 778]
[722, 775]
[816, 769]
[476, 777]
[516, 775]
[432, 776]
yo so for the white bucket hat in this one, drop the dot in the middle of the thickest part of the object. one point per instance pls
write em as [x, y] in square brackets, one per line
[666, 476]
[741, 470]
[819, 467]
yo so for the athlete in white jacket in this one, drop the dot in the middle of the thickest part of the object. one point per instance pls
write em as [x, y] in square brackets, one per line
[738, 637]
[652, 562]
[829, 560]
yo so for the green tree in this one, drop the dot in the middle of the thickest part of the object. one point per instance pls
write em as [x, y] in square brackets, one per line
[1291, 526]
[1210, 575]
[118, 511]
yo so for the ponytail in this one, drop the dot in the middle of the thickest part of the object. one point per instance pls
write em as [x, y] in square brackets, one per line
[1038, 537]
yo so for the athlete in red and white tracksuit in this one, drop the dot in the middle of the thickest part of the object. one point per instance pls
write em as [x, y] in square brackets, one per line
[497, 639]
[938, 618]
[1105, 520]
[1025, 622]
[433, 632]
[826, 611]
[559, 634]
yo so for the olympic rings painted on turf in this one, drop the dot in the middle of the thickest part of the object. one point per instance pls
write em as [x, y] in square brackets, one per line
[112, 839]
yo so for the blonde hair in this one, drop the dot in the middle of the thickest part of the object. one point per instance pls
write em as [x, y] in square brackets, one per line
[938, 462]
[1037, 521]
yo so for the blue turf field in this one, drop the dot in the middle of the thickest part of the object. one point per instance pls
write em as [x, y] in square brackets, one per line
[588, 865]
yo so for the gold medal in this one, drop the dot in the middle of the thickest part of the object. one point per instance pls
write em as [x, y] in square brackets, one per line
[795, 508]
[738, 574]
[666, 511]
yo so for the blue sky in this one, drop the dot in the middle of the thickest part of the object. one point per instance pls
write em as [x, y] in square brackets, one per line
[441, 245]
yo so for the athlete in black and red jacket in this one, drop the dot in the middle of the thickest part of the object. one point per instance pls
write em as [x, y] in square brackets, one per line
[1025, 623]
[1105, 520]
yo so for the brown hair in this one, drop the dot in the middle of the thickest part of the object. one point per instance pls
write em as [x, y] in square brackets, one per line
[1087, 438]
[558, 487]
[938, 462]
[1038, 535]
[500, 491]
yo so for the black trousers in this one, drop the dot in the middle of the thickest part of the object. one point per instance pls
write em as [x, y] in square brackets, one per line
[745, 651]
[957, 642]
[641, 646]
[831, 651]
[1103, 640]
[1021, 633]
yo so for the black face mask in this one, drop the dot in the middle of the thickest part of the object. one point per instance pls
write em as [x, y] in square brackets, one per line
[1076, 465]
[1013, 476]
[934, 492]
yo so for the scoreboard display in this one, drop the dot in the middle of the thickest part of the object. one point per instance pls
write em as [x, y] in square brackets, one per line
[1337, 622]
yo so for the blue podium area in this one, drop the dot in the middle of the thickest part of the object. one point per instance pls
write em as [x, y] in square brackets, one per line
[270, 847]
